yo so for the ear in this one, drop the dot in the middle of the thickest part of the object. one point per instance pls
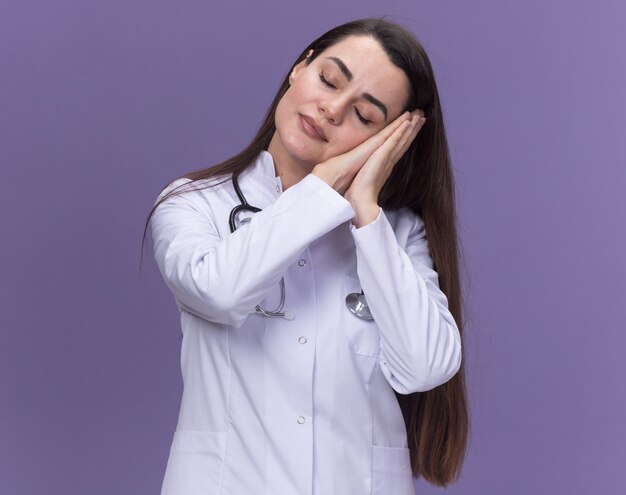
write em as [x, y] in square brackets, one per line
[298, 67]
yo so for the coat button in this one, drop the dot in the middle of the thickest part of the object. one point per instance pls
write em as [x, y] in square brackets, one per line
[302, 340]
[301, 262]
[301, 420]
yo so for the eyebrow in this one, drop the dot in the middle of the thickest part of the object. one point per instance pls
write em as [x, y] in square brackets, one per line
[376, 102]
[342, 67]
[346, 72]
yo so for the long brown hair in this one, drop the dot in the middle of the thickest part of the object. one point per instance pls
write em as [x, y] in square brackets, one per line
[437, 421]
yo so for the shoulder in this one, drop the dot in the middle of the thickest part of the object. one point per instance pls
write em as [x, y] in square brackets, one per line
[197, 192]
[171, 187]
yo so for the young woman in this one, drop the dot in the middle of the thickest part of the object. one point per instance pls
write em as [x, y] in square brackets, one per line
[322, 330]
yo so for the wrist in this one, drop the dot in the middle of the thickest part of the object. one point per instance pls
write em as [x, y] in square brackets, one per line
[364, 213]
[328, 175]
[361, 199]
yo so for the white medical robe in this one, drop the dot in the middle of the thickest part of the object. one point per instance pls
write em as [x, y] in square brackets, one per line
[305, 406]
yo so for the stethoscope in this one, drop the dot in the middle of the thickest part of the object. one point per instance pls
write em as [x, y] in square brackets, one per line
[355, 302]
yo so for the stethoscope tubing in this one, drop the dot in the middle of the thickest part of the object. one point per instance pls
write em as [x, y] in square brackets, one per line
[232, 221]
[243, 206]
[356, 303]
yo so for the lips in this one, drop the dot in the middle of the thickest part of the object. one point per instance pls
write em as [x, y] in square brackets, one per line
[311, 129]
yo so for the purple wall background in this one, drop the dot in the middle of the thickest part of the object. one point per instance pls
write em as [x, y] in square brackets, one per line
[102, 103]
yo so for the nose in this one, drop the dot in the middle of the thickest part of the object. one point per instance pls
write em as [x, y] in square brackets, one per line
[333, 109]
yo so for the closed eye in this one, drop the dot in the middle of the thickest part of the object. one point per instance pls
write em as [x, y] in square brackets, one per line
[356, 110]
[326, 81]
[361, 118]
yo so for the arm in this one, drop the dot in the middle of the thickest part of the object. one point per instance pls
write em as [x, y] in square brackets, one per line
[223, 279]
[420, 340]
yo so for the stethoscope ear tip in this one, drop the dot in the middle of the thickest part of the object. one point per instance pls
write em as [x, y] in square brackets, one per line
[288, 315]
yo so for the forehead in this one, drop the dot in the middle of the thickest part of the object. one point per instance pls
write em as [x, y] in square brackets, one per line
[373, 72]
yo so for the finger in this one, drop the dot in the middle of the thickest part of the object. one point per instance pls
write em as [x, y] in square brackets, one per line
[403, 133]
[386, 151]
[368, 146]
[416, 124]
[381, 136]
[388, 154]
[400, 142]
[408, 137]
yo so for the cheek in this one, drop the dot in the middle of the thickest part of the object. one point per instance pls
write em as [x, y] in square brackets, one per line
[351, 138]
[284, 105]
[297, 93]
[280, 111]
[289, 104]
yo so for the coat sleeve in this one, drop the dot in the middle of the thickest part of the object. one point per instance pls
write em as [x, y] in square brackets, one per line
[419, 339]
[223, 279]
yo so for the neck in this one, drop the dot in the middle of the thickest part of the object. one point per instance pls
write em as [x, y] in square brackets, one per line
[289, 170]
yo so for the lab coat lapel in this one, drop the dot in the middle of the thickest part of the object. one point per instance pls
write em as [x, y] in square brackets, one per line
[259, 183]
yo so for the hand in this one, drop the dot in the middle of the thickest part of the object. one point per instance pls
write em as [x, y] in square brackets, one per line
[339, 171]
[364, 189]
[376, 170]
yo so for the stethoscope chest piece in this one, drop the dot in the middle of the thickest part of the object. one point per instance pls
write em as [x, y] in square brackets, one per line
[357, 304]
